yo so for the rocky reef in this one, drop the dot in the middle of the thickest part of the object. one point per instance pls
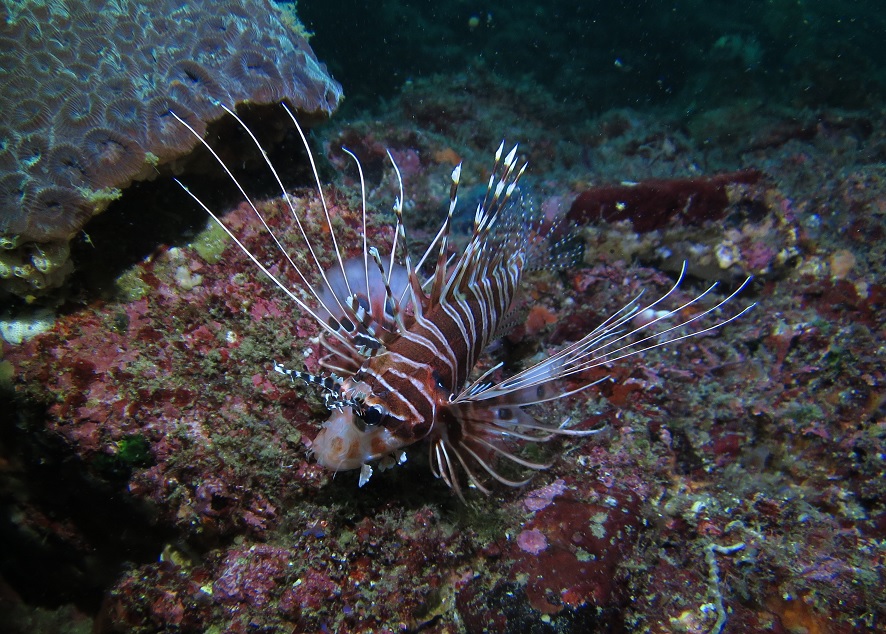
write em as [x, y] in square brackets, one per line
[155, 472]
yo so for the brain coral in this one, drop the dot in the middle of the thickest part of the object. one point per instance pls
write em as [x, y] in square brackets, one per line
[87, 89]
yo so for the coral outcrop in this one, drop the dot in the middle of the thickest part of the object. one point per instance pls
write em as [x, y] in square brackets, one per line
[87, 90]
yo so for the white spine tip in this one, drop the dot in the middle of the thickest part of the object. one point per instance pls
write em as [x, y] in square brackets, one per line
[509, 159]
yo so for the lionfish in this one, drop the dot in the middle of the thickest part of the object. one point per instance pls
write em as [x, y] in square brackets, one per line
[401, 347]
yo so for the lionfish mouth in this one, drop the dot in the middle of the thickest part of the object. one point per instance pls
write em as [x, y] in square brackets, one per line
[401, 348]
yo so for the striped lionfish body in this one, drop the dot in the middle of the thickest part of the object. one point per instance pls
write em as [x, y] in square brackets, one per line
[401, 348]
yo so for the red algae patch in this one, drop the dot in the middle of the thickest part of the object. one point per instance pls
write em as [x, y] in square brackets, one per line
[575, 549]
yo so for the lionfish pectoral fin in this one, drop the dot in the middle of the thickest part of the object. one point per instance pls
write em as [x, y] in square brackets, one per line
[482, 434]
[490, 419]
[538, 384]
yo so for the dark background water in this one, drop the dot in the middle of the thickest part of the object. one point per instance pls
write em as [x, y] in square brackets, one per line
[686, 54]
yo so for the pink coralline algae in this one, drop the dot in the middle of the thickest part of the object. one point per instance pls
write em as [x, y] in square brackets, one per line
[161, 370]
[87, 90]
[532, 541]
[252, 576]
[538, 499]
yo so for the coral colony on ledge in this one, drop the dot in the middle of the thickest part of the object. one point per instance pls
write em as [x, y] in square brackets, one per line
[87, 90]
[157, 473]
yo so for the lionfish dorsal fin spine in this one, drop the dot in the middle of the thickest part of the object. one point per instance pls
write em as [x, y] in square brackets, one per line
[306, 283]
[283, 191]
[298, 300]
[440, 269]
[362, 216]
[322, 196]
[419, 299]
[398, 208]
[389, 294]
[329, 329]
[510, 159]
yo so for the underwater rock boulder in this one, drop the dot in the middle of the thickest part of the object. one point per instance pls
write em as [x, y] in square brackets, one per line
[88, 87]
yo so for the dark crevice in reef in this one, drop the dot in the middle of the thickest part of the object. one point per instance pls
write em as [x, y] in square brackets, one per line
[67, 530]
[154, 214]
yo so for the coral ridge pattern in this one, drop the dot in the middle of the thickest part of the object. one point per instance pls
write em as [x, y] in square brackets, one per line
[87, 90]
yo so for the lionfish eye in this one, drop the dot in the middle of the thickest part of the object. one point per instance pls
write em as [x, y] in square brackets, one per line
[372, 415]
